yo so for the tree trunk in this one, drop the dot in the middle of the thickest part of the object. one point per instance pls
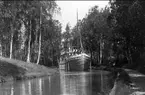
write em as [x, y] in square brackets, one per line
[29, 45]
[101, 50]
[44, 60]
[91, 60]
[126, 53]
[129, 52]
[129, 55]
[39, 52]
[52, 55]
[36, 37]
[98, 56]
[1, 52]
[11, 43]
[23, 30]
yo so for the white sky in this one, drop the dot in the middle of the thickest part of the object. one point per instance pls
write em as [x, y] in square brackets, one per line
[69, 10]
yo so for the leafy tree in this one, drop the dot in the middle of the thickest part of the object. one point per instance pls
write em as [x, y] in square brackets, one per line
[95, 32]
[24, 25]
[127, 20]
[66, 36]
[51, 42]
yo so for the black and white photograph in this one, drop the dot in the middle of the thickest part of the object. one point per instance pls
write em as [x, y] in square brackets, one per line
[72, 47]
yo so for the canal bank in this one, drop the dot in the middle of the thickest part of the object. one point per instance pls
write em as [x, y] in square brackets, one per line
[11, 69]
[138, 80]
[136, 87]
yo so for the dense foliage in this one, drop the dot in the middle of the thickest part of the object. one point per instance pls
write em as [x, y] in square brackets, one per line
[127, 22]
[111, 35]
[29, 32]
[94, 33]
[115, 34]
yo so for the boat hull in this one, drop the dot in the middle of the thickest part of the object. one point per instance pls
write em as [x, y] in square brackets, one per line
[81, 63]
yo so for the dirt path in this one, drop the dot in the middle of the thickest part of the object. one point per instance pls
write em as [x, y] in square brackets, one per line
[138, 80]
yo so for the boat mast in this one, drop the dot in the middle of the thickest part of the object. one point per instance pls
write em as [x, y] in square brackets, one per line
[82, 49]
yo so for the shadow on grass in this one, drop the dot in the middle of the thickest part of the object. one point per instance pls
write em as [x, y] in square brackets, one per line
[10, 70]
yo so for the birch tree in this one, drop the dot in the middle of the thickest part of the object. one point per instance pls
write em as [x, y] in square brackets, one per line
[47, 9]
[39, 51]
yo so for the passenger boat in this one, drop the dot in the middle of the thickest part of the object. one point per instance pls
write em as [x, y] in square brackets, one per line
[80, 62]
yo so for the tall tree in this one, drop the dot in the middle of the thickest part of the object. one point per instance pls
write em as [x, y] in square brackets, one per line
[46, 11]
[39, 52]
[94, 31]
[127, 20]
[29, 32]
[9, 11]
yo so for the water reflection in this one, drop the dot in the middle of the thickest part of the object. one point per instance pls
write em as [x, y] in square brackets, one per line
[29, 87]
[74, 84]
[66, 83]
[12, 90]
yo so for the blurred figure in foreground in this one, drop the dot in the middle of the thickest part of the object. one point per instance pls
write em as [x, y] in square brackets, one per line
[122, 84]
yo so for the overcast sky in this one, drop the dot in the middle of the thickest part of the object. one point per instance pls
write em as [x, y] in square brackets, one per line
[69, 10]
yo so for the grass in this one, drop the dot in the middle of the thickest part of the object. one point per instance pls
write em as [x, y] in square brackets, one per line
[11, 69]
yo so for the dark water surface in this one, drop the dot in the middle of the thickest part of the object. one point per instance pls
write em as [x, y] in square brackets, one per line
[65, 83]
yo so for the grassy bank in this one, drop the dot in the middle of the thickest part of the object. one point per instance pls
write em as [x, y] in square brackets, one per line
[11, 69]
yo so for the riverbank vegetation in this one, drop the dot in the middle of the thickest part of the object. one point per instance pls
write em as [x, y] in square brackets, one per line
[29, 38]
[128, 31]
[113, 36]
[11, 69]
[29, 32]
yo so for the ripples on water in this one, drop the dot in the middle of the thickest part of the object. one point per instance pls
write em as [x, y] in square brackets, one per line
[66, 83]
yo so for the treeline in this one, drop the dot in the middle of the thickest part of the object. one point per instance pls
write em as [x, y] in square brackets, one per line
[29, 32]
[95, 34]
[126, 21]
[114, 34]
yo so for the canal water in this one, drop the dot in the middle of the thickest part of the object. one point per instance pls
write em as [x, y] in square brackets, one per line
[65, 83]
